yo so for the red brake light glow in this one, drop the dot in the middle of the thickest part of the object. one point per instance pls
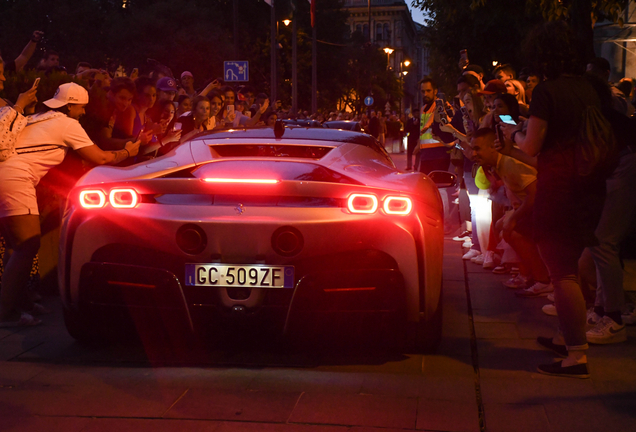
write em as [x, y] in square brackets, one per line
[398, 205]
[92, 199]
[362, 203]
[123, 198]
[234, 180]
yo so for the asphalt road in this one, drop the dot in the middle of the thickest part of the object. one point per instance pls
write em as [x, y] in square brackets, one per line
[483, 377]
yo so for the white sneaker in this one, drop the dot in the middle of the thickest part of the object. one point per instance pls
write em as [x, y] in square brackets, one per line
[537, 290]
[629, 317]
[479, 259]
[490, 260]
[607, 331]
[463, 236]
[550, 297]
[549, 309]
[471, 254]
[467, 244]
[592, 317]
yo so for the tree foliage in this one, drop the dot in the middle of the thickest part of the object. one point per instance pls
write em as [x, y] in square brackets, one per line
[492, 30]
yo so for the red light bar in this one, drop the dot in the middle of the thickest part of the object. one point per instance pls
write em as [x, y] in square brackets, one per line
[348, 289]
[244, 181]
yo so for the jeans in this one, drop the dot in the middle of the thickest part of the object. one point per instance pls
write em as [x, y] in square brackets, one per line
[562, 259]
[617, 221]
[473, 190]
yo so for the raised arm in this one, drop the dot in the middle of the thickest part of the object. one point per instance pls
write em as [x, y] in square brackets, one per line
[28, 51]
[98, 156]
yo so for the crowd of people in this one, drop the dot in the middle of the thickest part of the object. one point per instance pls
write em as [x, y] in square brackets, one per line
[546, 157]
[548, 161]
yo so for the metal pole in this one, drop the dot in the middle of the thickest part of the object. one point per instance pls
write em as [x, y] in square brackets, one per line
[294, 60]
[236, 30]
[273, 54]
[369, 21]
[314, 71]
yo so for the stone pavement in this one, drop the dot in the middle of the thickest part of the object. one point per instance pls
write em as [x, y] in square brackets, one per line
[481, 378]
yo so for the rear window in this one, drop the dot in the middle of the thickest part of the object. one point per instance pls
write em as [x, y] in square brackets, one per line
[290, 151]
[278, 170]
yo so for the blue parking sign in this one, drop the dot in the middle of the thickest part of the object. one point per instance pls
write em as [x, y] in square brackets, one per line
[368, 101]
[237, 70]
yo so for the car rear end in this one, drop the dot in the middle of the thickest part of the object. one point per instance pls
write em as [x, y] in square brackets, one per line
[244, 240]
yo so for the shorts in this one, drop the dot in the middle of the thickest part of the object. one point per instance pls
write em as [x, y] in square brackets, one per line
[17, 197]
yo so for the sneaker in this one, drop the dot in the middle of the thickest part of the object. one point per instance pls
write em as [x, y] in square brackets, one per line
[516, 282]
[479, 259]
[463, 236]
[555, 369]
[468, 244]
[502, 269]
[490, 260]
[629, 317]
[550, 297]
[548, 343]
[537, 290]
[549, 309]
[471, 254]
[607, 331]
[592, 317]
[514, 270]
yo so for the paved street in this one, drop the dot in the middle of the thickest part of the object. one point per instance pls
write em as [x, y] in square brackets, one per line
[482, 378]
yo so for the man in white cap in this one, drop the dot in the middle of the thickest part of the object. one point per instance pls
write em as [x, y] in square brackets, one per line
[42, 145]
[187, 85]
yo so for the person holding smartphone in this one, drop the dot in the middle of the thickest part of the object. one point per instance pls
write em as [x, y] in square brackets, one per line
[42, 145]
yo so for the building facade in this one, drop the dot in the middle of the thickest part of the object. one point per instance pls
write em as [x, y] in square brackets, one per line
[393, 27]
[618, 44]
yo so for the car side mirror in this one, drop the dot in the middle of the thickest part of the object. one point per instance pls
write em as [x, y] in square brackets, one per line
[443, 179]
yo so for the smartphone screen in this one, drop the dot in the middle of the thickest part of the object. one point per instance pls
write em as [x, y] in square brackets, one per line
[177, 126]
[507, 119]
[230, 109]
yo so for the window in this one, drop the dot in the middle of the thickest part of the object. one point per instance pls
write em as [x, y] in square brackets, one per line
[398, 30]
[378, 32]
[387, 32]
[365, 31]
[359, 28]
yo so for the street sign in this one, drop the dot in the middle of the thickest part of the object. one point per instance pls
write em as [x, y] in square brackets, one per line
[236, 70]
[368, 101]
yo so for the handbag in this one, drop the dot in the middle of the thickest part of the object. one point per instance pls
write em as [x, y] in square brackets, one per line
[11, 124]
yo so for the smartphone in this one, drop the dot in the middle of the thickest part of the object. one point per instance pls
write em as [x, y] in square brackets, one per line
[464, 111]
[176, 126]
[36, 82]
[507, 119]
[463, 57]
[500, 135]
[443, 117]
[441, 96]
[230, 109]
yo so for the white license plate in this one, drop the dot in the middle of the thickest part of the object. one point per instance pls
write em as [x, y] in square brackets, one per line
[232, 275]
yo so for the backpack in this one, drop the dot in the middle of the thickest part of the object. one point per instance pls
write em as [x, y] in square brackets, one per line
[11, 124]
[597, 140]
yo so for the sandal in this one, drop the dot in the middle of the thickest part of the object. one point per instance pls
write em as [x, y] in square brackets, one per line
[25, 320]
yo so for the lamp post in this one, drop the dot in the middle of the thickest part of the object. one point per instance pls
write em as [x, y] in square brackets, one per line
[402, 74]
[388, 52]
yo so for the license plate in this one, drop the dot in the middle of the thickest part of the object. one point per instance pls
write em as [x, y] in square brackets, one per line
[248, 276]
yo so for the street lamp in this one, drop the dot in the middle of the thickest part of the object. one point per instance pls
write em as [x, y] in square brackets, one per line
[287, 22]
[388, 52]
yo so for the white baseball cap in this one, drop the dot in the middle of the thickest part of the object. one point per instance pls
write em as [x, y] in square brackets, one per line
[69, 93]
